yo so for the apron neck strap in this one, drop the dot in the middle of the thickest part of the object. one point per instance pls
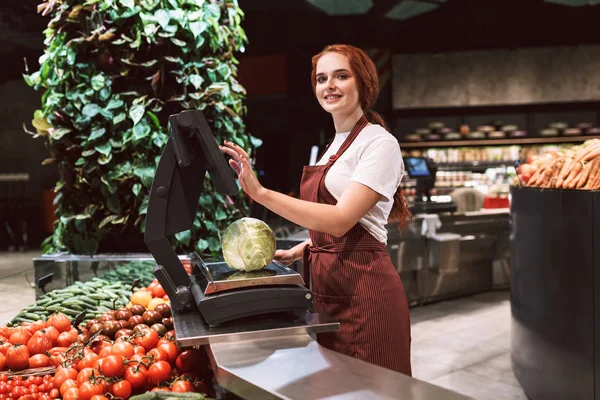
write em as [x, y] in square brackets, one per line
[360, 124]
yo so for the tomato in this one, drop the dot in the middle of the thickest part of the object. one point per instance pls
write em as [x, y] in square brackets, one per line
[141, 297]
[52, 334]
[65, 339]
[182, 386]
[38, 361]
[88, 361]
[54, 393]
[112, 365]
[39, 343]
[89, 389]
[122, 389]
[158, 354]
[2, 362]
[71, 394]
[188, 360]
[36, 326]
[63, 374]
[161, 389]
[170, 335]
[20, 335]
[148, 338]
[17, 357]
[139, 350]
[158, 291]
[85, 374]
[136, 375]
[171, 350]
[99, 398]
[5, 331]
[4, 345]
[68, 384]
[159, 371]
[104, 352]
[60, 321]
[122, 349]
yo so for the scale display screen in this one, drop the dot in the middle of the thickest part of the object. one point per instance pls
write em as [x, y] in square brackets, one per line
[417, 167]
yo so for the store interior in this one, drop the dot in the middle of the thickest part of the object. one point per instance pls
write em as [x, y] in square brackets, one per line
[479, 94]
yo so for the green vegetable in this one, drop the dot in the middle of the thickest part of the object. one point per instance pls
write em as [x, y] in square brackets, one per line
[248, 244]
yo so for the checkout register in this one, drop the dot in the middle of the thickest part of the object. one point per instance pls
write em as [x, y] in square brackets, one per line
[423, 170]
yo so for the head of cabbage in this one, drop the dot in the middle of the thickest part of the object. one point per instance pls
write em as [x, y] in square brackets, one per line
[248, 244]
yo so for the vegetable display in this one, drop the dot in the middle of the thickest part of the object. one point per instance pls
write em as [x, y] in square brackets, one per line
[123, 352]
[574, 168]
[248, 244]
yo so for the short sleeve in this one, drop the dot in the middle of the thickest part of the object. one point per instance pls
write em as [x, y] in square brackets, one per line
[380, 167]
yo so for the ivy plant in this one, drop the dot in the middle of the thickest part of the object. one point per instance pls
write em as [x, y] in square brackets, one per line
[111, 73]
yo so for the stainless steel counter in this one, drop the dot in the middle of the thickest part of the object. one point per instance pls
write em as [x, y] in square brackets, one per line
[296, 367]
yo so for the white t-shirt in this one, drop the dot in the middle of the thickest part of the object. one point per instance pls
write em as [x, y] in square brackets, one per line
[374, 160]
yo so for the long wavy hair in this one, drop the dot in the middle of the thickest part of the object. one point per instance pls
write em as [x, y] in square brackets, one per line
[367, 81]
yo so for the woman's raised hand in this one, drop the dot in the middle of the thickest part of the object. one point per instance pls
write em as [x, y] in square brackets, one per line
[240, 162]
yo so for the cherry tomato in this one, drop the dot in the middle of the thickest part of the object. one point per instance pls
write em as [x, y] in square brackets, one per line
[63, 374]
[148, 339]
[171, 350]
[137, 376]
[160, 371]
[89, 389]
[182, 386]
[85, 374]
[54, 393]
[69, 383]
[122, 349]
[158, 354]
[122, 389]
[112, 365]
[71, 394]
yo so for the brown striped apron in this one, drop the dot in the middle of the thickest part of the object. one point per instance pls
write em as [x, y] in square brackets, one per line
[354, 281]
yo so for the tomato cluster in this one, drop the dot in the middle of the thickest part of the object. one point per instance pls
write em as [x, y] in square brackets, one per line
[37, 344]
[31, 388]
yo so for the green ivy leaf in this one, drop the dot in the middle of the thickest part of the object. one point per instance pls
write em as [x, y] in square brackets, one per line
[184, 237]
[91, 110]
[136, 189]
[196, 81]
[154, 119]
[57, 134]
[136, 113]
[201, 245]
[98, 82]
[104, 149]
[198, 28]
[97, 133]
[127, 3]
[119, 118]
[146, 175]
[220, 215]
[114, 103]
[162, 17]
[178, 42]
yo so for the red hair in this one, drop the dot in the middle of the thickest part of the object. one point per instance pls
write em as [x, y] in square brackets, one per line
[367, 82]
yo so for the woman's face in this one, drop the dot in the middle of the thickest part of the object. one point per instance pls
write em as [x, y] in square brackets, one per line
[336, 85]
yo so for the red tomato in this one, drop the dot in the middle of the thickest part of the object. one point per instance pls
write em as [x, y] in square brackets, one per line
[188, 360]
[20, 335]
[122, 389]
[105, 351]
[182, 386]
[160, 371]
[99, 398]
[63, 374]
[158, 291]
[65, 339]
[112, 365]
[60, 321]
[38, 361]
[171, 350]
[89, 389]
[158, 354]
[66, 385]
[54, 393]
[137, 376]
[139, 350]
[161, 389]
[148, 339]
[39, 343]
[2, 362]
[122, 349]
[85, 374]
[52, 334]
[17, 357]
[71, 394]
[88, 361]
[4, 345]
[5, 331]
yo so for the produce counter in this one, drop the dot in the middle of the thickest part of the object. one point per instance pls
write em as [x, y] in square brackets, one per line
[555, 293]
[286, 364]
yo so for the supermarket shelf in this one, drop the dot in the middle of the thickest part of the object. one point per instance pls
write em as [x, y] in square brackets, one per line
[495, 142]
[473, 165]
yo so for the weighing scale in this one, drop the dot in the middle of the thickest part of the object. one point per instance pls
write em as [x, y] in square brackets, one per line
[215, 300]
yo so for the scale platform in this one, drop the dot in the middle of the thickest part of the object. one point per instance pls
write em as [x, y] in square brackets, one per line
[219, 277]
[224, 295]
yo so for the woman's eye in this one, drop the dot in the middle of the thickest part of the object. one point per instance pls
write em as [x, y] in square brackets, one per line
[342, 76]
[321, 79]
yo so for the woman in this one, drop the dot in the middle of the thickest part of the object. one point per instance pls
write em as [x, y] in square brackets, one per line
[345, 201]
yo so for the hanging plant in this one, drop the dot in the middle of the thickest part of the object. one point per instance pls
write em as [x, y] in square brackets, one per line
[112, 72]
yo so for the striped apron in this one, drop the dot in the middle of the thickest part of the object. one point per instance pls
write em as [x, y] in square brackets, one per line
[354, 281]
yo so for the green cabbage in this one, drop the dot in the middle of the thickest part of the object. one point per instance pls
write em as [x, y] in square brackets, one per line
[248, 244]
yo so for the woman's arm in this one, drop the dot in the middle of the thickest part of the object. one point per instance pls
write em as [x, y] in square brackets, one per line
[335, 220]
[287, 257]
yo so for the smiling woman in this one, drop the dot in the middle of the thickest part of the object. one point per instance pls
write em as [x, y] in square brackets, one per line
[345, 202]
